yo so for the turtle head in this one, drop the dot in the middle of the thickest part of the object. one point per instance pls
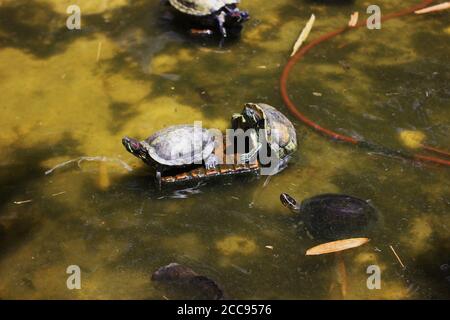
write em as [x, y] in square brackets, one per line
[251, 115]
[235, 16]
[290, 203]
[238, 121]
[249, 118]
[134, 147]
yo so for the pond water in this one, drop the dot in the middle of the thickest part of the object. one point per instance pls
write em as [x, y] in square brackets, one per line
[129, 71]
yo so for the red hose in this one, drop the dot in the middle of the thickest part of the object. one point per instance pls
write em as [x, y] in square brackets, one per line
[334, 135]
[433, 149]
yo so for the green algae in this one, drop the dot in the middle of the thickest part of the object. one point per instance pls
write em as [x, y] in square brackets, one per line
[60, 102]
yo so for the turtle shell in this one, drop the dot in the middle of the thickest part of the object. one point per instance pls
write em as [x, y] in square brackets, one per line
[280, 132]
[180, 145]
[335, 216]
[200, 7]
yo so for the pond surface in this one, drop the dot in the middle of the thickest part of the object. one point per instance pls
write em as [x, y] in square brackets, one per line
[129, 71]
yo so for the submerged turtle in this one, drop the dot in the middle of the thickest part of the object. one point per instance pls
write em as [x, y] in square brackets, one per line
[334, 216]
[279, 132]
[222, 14]
[186, 283]
[175, 147]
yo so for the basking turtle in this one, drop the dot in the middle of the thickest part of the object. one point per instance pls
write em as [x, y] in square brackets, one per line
[184, 153]
[279, 132]
[187, 156]
[334, 216]
[175, 147]
[223, 14]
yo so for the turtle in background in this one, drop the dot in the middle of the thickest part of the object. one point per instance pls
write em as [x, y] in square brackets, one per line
[334, 216]
[279, 134]
[184, 282]
[211, 15]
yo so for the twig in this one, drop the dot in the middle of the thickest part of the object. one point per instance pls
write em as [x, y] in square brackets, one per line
[81, 159]
[439, 7]
[58, 194]
[266, 182]
[22, 202]
[304, 34]
[342, 274]
[398, 258]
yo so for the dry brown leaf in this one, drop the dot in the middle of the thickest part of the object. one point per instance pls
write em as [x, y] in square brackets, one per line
[336, 246]
[439, 7]
[303, 35]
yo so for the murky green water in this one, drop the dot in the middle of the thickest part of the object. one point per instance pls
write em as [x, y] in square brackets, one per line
[63, 97]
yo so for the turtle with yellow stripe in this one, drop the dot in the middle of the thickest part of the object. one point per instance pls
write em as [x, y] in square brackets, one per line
[278, 133]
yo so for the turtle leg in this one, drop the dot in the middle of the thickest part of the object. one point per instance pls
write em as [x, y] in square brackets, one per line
[221, 23]
[248, 157]
[211, 162]
[282, 164]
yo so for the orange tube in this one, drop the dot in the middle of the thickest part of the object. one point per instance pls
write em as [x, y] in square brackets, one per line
[334, 135]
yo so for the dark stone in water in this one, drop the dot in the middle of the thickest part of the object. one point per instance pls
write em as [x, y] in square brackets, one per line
[184, 283]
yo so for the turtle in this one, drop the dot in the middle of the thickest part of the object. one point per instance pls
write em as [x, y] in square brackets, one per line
[184, 155]
[222, 14]
[334, 216]
[175, 147]
[279, 132]
[184, 281]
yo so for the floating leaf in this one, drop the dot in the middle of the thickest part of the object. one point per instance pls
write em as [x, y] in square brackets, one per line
[412, 139]
[336, 246]
[303, 35]
[439, 7]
